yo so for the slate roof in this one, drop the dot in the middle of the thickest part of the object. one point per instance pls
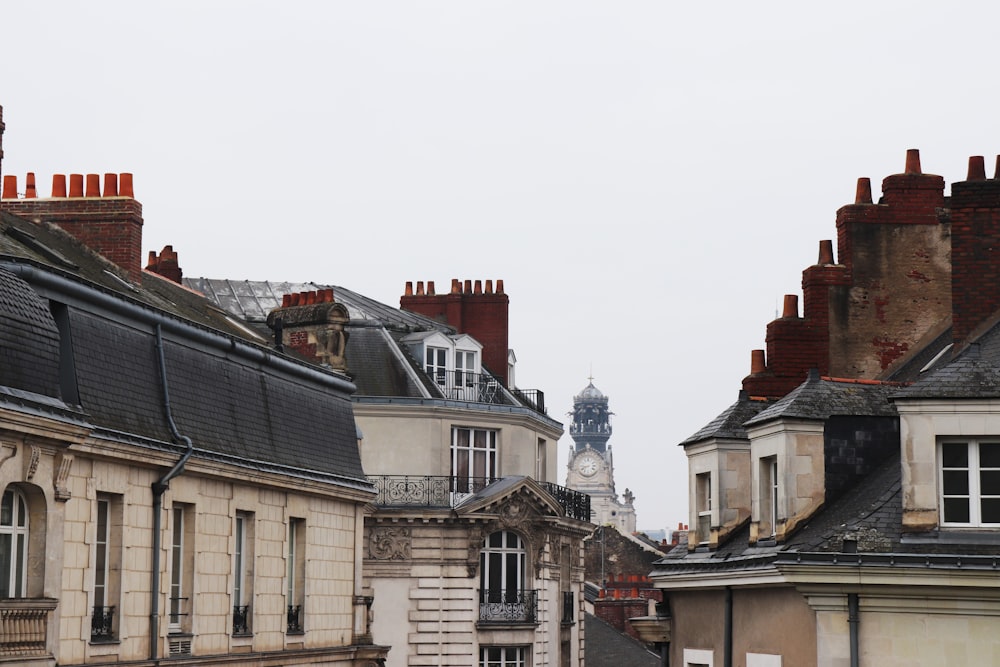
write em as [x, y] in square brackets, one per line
[606, 647]
[729, 424]
[973, 373]
[823, 397]
[236, 400]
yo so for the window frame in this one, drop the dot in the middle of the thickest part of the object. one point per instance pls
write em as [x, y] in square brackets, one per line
[180, 597]
[108, 509]
[768, 497]
[518, 659]
[296, 573]
[243, 573]
[436, 368]
[974, 470]
[470, 455]
[19, 532]
[703, 506]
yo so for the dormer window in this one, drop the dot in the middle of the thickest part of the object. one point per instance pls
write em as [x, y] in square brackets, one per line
[436, 364]
[466, 370]
[970, 483]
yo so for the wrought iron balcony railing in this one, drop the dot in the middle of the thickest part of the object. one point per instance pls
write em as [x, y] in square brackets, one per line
[295, 619]
[102, 624]
[568, 607]
[508, 606]
[447, 492]
[576, 504]
[426, 490]
[482, 388]
[241, 619]
[24, 624]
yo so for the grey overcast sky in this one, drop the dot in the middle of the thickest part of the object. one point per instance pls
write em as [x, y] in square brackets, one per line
[648, 178]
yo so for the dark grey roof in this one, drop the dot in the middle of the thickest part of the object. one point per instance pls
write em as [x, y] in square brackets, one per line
[729, 424]
[820, 398]
[235, 400]
[606, 647]
[377, 366]
[973, 373]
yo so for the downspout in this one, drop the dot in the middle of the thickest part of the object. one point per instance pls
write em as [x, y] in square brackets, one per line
[160, 486]
[854, 621]
[727, 647]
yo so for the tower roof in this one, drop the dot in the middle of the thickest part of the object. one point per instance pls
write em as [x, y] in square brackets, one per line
[590, 393]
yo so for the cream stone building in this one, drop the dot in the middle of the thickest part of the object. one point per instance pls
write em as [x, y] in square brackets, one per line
[846, 509]
[171, 487]
[473, 554]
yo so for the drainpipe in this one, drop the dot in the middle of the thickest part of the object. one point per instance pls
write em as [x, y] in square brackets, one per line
[160, 486]
[854, 621]
[727, 648]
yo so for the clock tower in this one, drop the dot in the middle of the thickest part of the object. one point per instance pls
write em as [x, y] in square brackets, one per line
[591, 466]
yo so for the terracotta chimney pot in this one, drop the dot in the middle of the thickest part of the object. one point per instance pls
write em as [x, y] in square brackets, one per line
[76, 185]
[30, 191]
[58, 185]
[913, 162]
[408, 291]
[977, 169]
[456, 287]
[757, 365]
[489, 287]
[499, 286]
[430, 288]
[420, 288]
[110, 185]
[286, 300]
[125, 185]
[791, 306]
[468, 287]
[93, 185]
[863, 193]
[478, 289]
[9, 187]
[825, 252]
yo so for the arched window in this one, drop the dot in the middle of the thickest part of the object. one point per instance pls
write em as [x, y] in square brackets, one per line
[503, 597]
[13, 544]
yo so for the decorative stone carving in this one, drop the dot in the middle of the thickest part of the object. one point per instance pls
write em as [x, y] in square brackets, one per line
[515, 513]
[389, 543]
[8, 450]
[64, 463]
[31, 463]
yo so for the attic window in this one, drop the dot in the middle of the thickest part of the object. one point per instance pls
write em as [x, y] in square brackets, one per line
[970, 483]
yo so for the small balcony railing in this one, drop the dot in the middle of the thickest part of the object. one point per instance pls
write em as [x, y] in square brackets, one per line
[568, 607]
[24, 624]
[295, 619]
[102, 624]
[426, 490]
[508, 606]
[465, 386]
[445, 491]
[241, 619]
[576, 504]
[535, 398]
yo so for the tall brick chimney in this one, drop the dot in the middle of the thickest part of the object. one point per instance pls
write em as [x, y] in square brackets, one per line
[472, 309]
[891, 286]
[975, 250]
[109, 223]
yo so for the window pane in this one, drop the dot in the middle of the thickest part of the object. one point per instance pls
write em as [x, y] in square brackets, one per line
[7, 509]
[6, 554]
[955, 455]
[18, 585]
[989, 455]
[22, 512]
[956, 510]
[989, 482]
[955, 482]
[990, 508]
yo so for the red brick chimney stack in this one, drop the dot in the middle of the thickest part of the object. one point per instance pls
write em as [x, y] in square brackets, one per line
[471, 309]
[975, 251]
[165, 264]
[108, 223]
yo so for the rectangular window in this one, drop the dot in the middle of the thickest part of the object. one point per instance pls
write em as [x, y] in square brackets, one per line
[540, 467]
[970, 483]
[107, 567]
[242, 572]
[501, 656]
[465, 369]
[436, 364]
[473, 458]
[703, 491]
[296, 574]
[767, 527]
[181, 568]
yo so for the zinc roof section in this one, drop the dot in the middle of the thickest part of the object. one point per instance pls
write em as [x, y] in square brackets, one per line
[375, 368]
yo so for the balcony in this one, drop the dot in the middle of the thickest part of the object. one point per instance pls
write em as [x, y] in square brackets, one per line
[483, 388]
[24, 624]
[102, 624]
[508, 606]
[447, 492]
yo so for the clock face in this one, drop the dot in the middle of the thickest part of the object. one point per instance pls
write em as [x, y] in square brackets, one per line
[588, 466]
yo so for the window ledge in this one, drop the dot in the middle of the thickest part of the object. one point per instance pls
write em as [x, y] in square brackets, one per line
[503, 625]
